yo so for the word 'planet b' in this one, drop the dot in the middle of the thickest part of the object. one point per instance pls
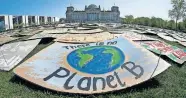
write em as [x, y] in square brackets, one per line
[96, 59]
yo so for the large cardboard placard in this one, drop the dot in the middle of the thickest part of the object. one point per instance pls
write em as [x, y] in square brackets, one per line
[91, 68]
[13, 53]
[174, 53]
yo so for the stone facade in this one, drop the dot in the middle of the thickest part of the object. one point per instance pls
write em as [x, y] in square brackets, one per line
[6, 22]
[92, 13]
[10, 22]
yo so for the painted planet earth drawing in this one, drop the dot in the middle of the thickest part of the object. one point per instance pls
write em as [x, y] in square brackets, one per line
[96, 59]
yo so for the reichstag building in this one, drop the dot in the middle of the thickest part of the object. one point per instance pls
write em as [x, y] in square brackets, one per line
[93, 13]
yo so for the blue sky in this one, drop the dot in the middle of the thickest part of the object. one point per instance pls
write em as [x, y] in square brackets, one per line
[147, 8]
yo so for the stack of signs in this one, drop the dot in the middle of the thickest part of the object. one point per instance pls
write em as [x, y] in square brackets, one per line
[5, 39]
[174, 53]
[180, 38]
[151, 32]
[55, 31]
[83, 28]
[85, 38]
[13, 53]
[50, 33]
[117, 31]
[28, 32]
[167, 37]
[182, 43]
[85, 31]
[91, 68]
[137, 37]
[40, 36]
[139, 31]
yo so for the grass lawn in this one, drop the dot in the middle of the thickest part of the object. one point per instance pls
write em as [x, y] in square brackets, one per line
[169, 84]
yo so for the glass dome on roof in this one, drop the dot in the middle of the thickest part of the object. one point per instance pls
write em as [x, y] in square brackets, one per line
[92, 6]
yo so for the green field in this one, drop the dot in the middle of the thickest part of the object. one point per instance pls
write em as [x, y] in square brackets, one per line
[169, 84]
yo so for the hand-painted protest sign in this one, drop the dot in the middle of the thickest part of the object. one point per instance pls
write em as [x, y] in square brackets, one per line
[13, 53]
[174, 53]
[91, 68]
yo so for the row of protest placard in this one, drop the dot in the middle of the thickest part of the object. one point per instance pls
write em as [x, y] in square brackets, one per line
[159, 47]
[174, 53]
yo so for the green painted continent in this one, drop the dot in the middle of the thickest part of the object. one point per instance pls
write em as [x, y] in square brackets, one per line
[85, 58]
[115, 55]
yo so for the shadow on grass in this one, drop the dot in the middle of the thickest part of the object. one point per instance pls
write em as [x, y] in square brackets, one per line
[152, 83]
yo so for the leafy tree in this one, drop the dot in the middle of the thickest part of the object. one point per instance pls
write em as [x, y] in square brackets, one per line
[164, 24]
[157, 22]
[147, 21]
[178, 11]
[171, 25]
[129, 19]
[181, 26]
[154, 23]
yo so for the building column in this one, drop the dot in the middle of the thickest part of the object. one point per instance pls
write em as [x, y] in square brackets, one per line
[26, 21]
[45, 18]
[37, 20]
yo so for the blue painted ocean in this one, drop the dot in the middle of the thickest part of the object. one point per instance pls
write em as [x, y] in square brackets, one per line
[100, 64]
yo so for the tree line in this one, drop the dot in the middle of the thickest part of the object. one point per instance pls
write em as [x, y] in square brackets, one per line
[155, 22]
[178, 12]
